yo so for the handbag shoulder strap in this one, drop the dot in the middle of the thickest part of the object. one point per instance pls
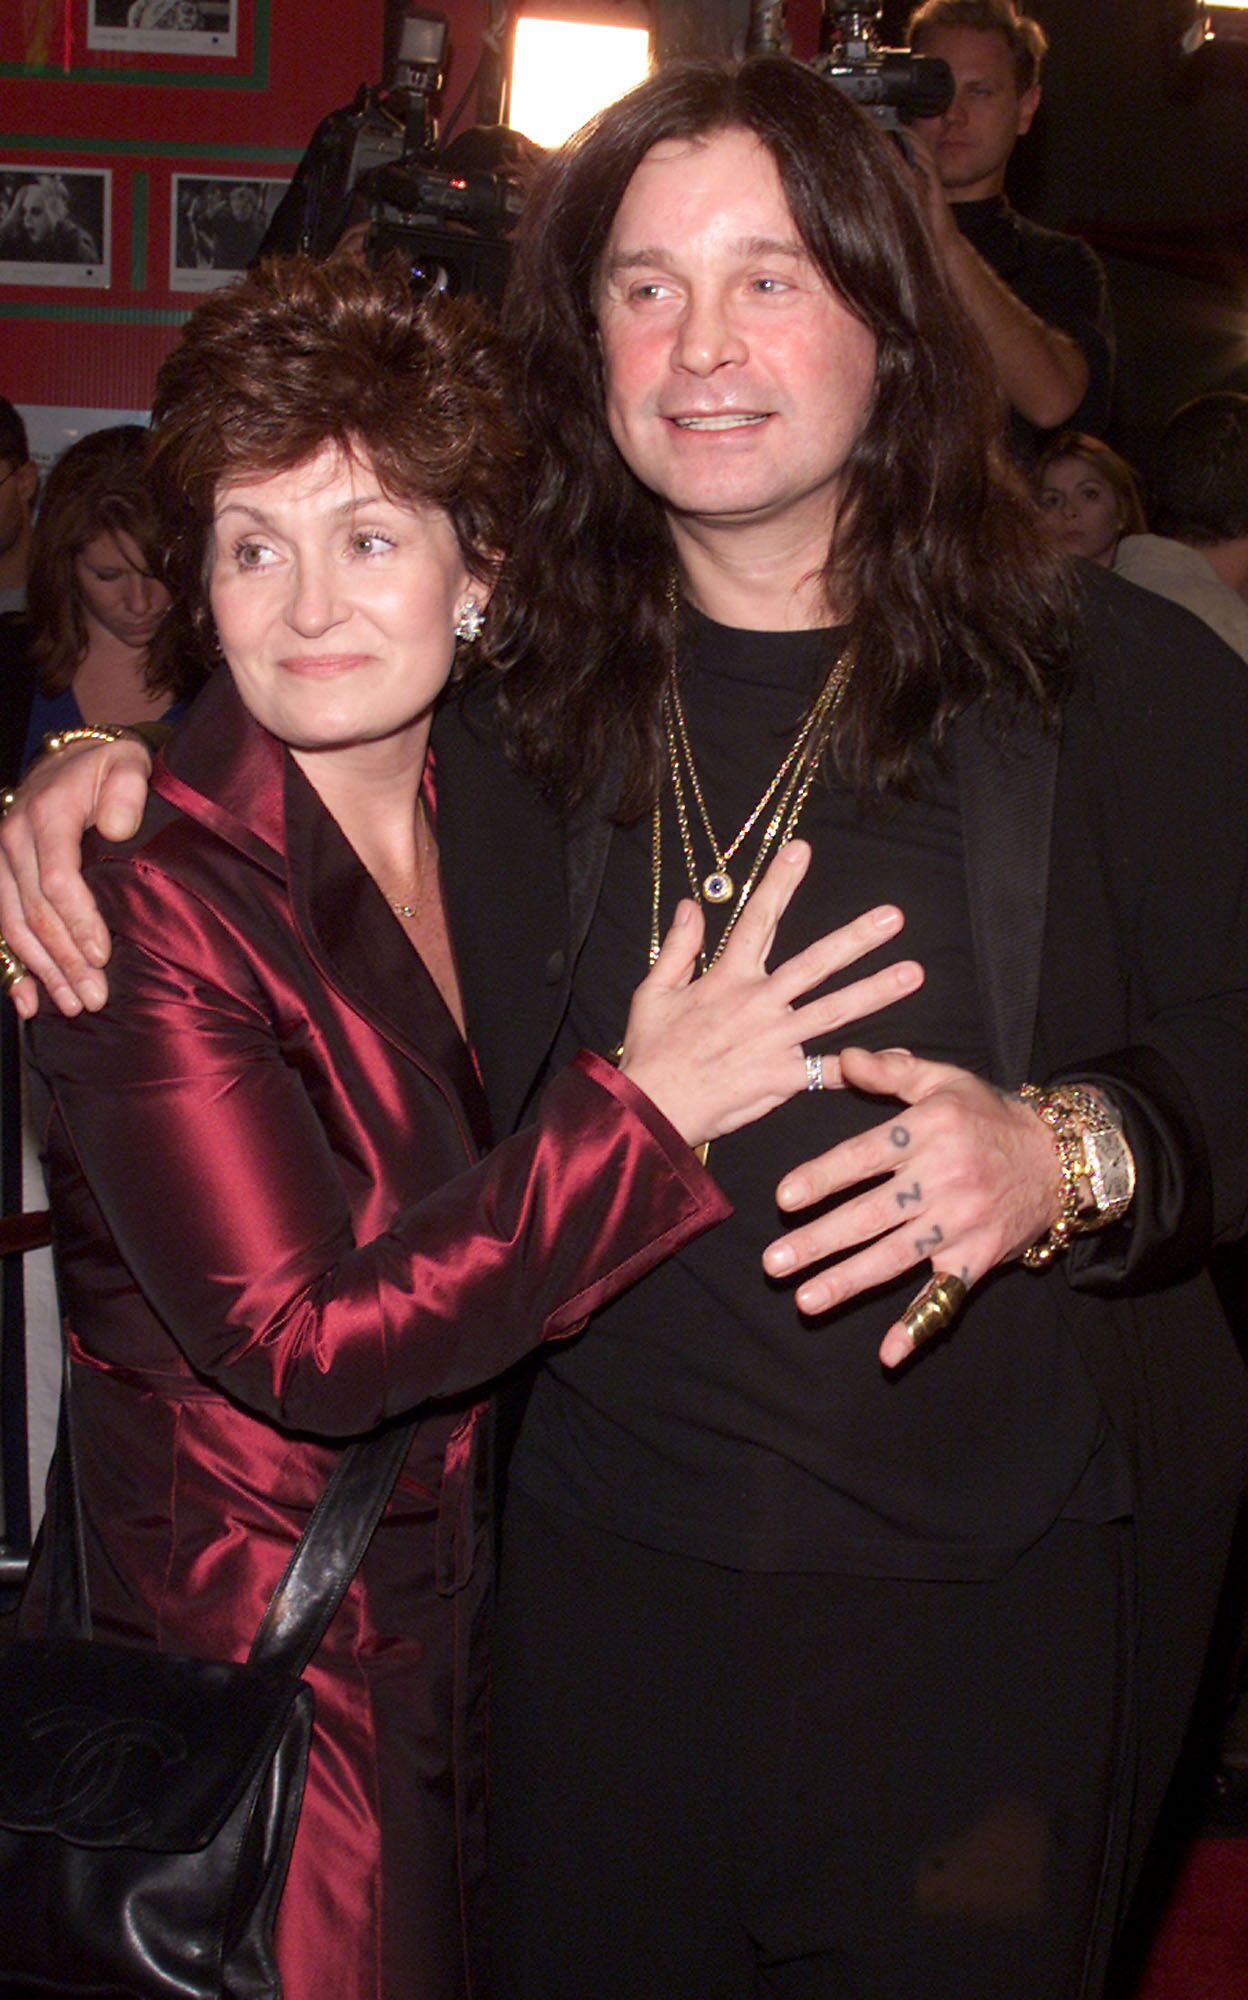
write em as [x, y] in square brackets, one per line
[316, 1578]
[330, 1550]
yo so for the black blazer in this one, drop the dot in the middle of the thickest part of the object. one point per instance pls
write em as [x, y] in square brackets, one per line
[1107, 871]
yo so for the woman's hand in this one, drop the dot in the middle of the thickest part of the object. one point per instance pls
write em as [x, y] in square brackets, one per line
[47, 914]
[718, 1052]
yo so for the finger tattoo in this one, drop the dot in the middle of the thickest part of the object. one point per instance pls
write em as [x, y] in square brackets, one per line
[907, 1197]
[932, 1241]
[900, 1137]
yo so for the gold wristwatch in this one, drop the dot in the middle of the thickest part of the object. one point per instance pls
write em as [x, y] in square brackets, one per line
[1093, 1155]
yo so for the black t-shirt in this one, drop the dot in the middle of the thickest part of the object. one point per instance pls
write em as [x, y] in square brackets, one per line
[1059, 278]
[701, 1413]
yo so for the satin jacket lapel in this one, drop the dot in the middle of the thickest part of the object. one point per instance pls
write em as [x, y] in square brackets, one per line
[1006, 794]
[222, 769]
[227, 772]
[346, 926]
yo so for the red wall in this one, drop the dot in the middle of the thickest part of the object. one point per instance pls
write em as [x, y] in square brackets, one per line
[145, 117]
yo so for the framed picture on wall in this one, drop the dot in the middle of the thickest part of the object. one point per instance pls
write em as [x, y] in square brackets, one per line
[55, 225]
[217, 223]
[164, 27]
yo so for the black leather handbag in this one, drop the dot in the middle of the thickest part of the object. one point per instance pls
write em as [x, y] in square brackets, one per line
[148, 1802]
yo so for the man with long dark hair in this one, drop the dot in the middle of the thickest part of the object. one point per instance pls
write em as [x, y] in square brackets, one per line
[856, 1575]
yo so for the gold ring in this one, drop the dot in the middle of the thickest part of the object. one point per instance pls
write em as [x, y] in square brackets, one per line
[7, 799]
[935, 1308]
[11, 968]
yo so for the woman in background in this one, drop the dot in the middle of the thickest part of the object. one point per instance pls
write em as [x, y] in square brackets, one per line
[97, 601]
[1089, 496]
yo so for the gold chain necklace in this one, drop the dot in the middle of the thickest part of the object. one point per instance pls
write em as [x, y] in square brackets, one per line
[413, 908]
[792, 782]
[718, 886]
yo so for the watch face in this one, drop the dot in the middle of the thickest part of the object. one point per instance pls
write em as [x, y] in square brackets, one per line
[1111, 1171]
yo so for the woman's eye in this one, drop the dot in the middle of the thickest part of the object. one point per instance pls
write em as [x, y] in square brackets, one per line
[251, 555]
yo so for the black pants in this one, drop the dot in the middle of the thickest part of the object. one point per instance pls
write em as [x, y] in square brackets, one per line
[712, 1785]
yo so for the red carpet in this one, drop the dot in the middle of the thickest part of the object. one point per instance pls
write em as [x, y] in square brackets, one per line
[1200, 1951]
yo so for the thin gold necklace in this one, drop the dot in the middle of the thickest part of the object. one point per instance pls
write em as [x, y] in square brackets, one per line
[718, 886]
[413, 908]
[792, 782]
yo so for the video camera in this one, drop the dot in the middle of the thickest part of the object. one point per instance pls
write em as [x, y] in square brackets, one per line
[450, 214]
[447, 214]
[893, 85]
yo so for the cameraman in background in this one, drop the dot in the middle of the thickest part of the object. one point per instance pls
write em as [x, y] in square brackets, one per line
[1039, 298]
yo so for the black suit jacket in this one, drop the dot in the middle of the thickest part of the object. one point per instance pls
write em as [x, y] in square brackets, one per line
[1107, 872]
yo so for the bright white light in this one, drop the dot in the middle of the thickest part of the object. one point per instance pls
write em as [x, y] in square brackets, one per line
[564, 71]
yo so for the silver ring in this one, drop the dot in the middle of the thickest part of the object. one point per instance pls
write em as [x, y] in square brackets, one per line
[814, 1072]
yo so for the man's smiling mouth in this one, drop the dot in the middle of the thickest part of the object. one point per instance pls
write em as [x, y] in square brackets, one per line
[729, 420]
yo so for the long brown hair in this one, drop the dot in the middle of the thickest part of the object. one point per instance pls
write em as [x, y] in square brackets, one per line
[98, 486]
[958, 592]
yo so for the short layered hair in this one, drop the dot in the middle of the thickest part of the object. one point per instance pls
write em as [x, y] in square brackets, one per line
[1027, 41]
[301, 354]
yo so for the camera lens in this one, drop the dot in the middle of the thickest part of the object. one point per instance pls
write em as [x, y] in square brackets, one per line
[426, 279]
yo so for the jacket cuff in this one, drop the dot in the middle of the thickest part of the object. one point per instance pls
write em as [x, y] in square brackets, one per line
[681, 1157]
[1168, 1232]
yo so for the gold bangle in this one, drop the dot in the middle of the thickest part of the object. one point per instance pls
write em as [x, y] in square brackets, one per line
[1058, 1115]
[1073, 1114]
[90, 732]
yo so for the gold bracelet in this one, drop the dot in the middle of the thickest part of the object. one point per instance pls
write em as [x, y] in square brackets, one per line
[90, 732]
[1058, 1114]
[1083, 1130]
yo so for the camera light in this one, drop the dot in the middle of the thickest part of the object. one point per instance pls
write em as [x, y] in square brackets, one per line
[567, 64]
[1211, 21]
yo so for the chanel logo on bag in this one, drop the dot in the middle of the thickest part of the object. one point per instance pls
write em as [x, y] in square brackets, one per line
[93, 1769]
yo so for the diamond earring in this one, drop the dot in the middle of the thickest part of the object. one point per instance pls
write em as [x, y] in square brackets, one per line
[469, 621]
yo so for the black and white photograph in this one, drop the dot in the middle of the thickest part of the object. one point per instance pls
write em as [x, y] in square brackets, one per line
[218, 224]
[164, 27]
[55, 225]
